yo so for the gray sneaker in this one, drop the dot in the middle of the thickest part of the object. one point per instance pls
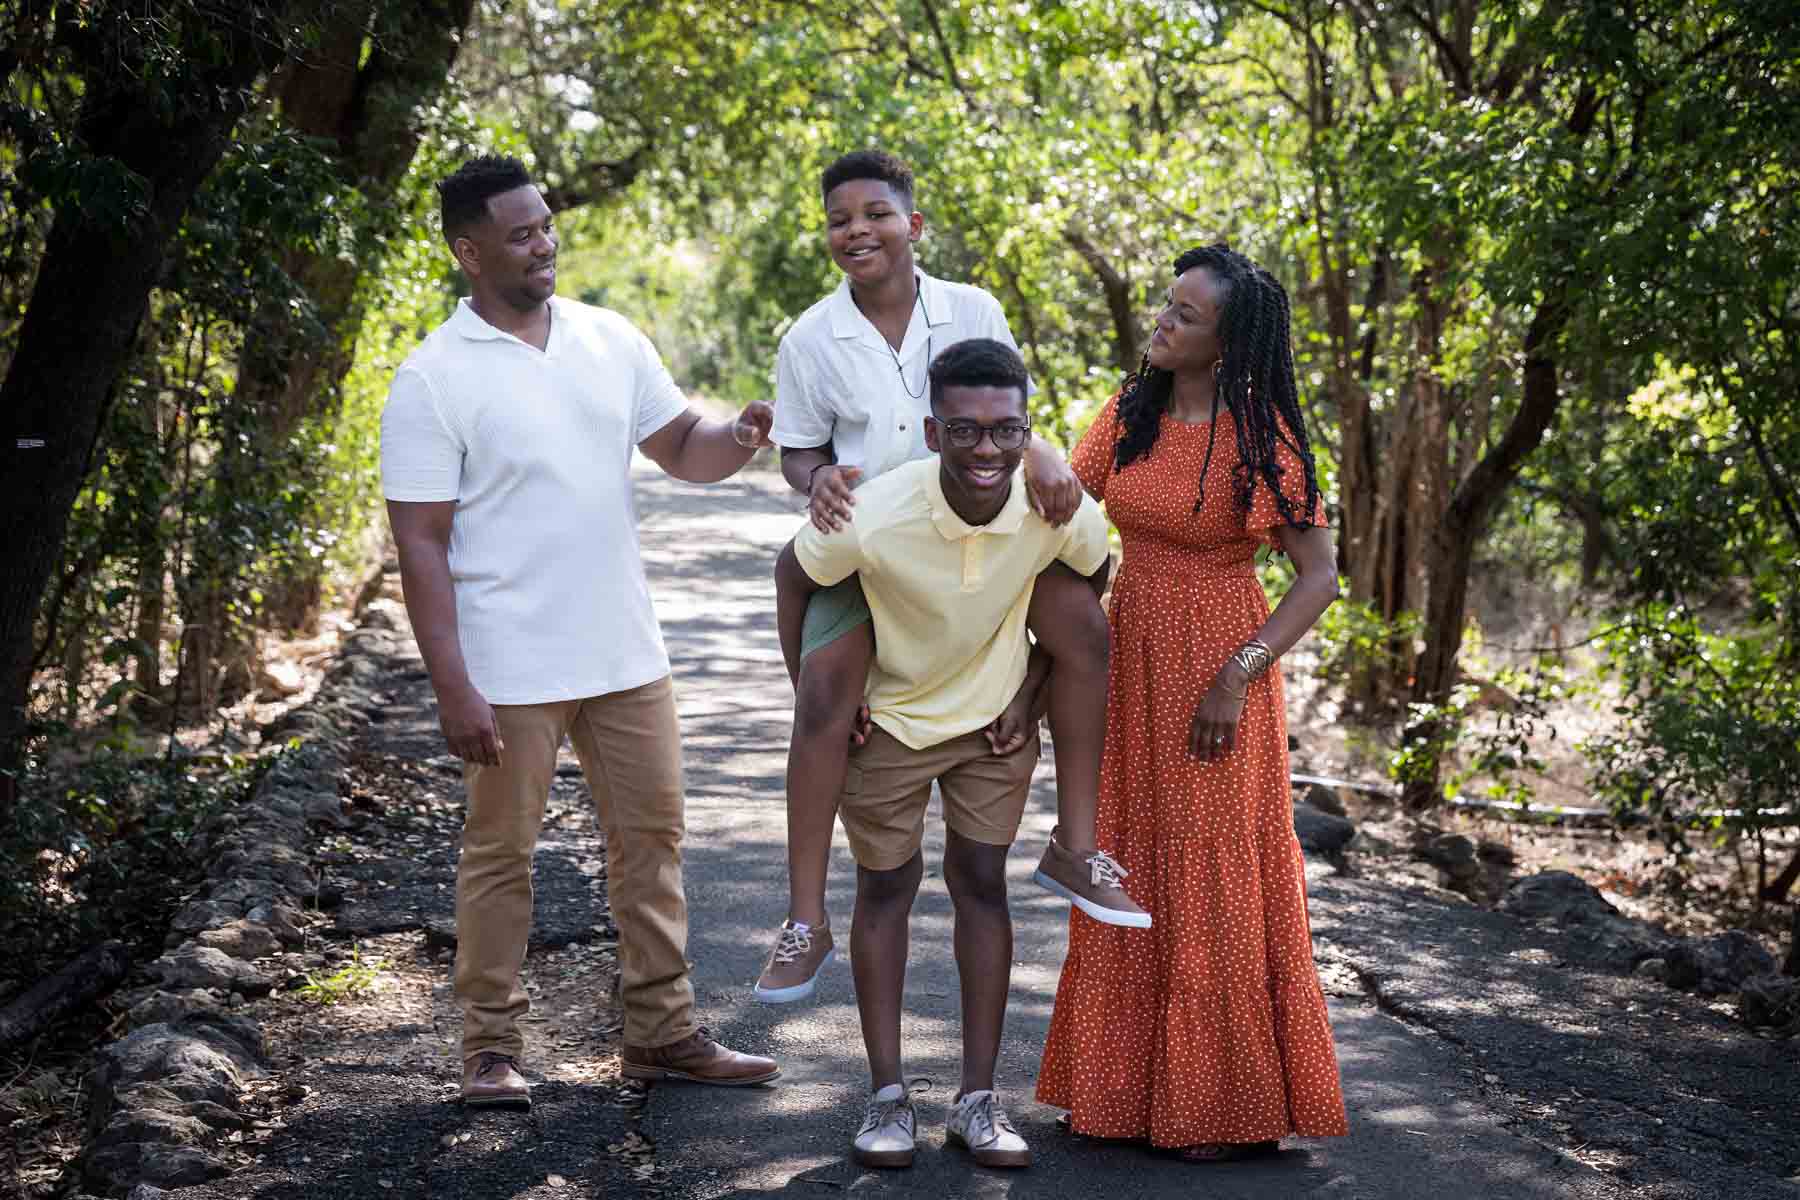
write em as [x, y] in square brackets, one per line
[886, 1136]
[979, 1125]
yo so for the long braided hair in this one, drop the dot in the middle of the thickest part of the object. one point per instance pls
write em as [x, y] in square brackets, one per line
[1255, 380]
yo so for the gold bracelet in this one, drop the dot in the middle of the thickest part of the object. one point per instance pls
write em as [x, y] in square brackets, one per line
[1253, 657]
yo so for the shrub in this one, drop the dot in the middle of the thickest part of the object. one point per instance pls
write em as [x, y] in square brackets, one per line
[1708, 739]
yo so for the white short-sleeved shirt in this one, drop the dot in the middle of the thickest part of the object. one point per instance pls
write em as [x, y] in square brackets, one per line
[837, 381]
[535, 447]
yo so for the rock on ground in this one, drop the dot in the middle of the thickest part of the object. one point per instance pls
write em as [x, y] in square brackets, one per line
[162, 1099]
[1321, 832]
[1717, 964]
[197, 966]
[1599, 932]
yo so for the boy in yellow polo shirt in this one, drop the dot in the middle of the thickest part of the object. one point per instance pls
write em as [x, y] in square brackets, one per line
[948, 550]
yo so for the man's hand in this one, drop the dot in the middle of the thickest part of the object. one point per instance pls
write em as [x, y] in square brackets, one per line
[829, 505]
[1050, 483]
[859, 728]
[467, 720]
[751, 430]
[1014, 726]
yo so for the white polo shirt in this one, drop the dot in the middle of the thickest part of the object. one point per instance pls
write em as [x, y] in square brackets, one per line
[837, 381]
[535, 448]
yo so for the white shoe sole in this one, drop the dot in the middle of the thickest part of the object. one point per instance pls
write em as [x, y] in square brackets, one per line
[1106, 916]
[799, 991]
[989, 1158]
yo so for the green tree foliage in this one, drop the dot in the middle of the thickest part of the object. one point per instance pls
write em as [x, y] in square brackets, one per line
[1543, 260]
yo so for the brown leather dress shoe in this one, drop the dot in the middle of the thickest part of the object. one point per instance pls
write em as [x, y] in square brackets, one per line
[697, 1059]
[492, 1080]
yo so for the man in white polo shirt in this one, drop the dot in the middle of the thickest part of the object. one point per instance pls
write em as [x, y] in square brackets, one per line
[505, 451]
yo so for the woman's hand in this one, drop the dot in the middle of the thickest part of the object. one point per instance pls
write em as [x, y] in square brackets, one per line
[1213, 732]
[829, 503]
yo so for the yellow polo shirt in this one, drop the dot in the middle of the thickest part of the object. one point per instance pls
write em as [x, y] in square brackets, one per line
[949, 599]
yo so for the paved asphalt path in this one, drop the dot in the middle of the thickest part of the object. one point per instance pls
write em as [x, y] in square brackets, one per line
[1482, 1057]
[1419, 1122]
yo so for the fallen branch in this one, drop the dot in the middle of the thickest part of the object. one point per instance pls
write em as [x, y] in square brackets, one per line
[1575, 813]
[87, 978]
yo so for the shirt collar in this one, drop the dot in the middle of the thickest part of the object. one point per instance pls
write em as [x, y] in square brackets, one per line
[847, 320]
[468, 323]
[953, 528]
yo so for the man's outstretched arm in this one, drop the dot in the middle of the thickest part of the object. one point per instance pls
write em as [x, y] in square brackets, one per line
[699, 449]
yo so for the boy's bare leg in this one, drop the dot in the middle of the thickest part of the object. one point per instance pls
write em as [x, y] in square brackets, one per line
[832, 681]
[1067, 621]
[879, 938]
[1071, 628]
[975, 875]
[828, 693]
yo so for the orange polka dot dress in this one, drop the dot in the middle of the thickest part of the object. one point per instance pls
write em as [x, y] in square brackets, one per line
[1209, 1026]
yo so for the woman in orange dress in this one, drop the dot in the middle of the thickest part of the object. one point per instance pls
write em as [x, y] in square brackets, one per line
[1207, 1033]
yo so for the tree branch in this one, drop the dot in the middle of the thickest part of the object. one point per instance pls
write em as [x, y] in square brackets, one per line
[597, 180]
[950, 72]
[1783, 494]
[1117, 289]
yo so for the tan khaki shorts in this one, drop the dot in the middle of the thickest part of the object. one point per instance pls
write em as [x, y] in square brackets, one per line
[888, 787]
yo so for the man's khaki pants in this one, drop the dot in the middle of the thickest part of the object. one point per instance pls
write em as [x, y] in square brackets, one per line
[630, 750]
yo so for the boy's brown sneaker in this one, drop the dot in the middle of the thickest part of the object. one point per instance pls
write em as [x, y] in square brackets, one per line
[1091, 882]
[800, 955]
[492, 1080]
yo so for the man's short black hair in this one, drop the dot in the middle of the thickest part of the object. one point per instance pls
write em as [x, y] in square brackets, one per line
[463, 196]
[869, 164]
[978, 362]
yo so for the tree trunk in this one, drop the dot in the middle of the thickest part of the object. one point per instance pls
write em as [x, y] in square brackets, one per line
[94, 284]
[1465, 520]
[1776, 890]
[363, 90]
[1126, 321]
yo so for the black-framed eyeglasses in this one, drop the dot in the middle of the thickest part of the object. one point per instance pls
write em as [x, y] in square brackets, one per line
[1008, 435]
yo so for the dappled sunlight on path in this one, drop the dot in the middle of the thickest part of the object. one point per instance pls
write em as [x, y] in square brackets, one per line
[711, 557]
[1464, 1038]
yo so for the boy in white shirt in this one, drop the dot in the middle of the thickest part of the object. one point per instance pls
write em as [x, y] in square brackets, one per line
[851, 403]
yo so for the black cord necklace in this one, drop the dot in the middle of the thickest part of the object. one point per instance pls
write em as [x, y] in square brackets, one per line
[918, 303]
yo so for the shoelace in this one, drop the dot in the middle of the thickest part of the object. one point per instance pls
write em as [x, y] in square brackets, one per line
[987, 1119]
[791, 943]
[1106, 869]
[490, 1062]
[880, 1112]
